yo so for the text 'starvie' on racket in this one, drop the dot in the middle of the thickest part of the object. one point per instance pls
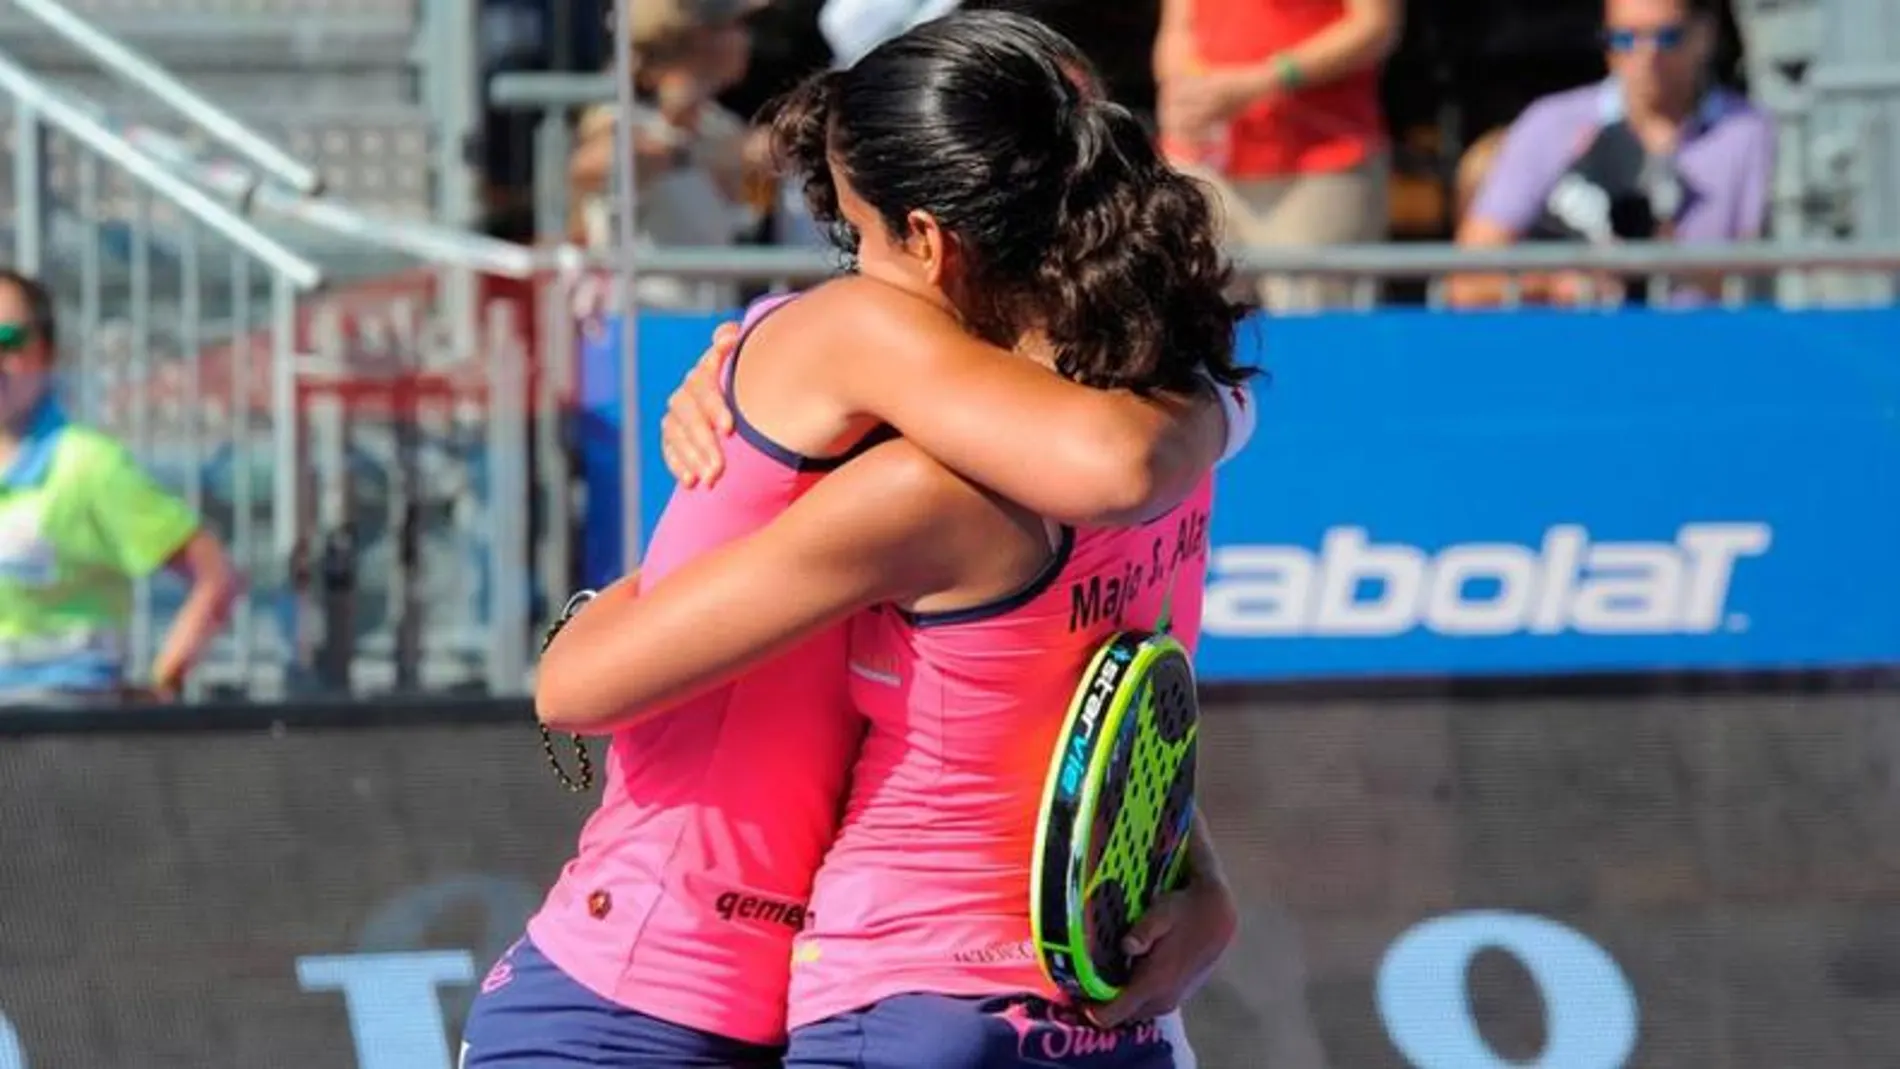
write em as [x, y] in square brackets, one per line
[1116, 810]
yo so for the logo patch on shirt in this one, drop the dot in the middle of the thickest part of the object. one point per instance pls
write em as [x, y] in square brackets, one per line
[880, 670]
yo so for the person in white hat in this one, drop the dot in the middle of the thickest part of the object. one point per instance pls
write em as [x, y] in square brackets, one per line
[854, 27]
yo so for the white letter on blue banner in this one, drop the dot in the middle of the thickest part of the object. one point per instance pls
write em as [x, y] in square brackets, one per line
[391, 1000]
[11, 1056]
[1589, 1007]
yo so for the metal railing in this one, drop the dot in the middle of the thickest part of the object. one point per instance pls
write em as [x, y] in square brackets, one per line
[1384, 261]
[552, 98]
[1802, 274]
[447, 46]
[1733, 274]
[149, 77]
[429, 242]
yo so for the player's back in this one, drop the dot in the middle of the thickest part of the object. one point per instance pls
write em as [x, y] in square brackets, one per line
[695, 872]
[927, 887]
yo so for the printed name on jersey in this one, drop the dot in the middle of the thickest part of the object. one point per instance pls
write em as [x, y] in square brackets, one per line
[1099, 598]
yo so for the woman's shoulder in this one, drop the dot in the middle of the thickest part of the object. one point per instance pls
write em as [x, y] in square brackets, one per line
[870, 311]
[865, 335]
[840, 308]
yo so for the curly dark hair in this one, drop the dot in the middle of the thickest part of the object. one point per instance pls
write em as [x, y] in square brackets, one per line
[1072, 222]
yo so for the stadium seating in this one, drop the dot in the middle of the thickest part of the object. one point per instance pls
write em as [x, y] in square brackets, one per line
[332, 81]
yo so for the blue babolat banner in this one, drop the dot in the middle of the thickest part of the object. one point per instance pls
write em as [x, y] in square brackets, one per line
[1536, 492]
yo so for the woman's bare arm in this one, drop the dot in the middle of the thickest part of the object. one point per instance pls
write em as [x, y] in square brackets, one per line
[1073, 453]
[1363, 37]
[215, 585]
[1070, 452]
[873, 531]
[1174, 51]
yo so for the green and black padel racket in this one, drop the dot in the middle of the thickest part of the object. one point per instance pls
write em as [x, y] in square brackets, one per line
[1116, 810]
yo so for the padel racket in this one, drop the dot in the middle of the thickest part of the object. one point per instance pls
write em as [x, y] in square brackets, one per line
[583, 777]
[1116, 810]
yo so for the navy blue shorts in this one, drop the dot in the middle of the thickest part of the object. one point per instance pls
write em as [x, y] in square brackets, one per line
[531, 1015]
[1011, 1032]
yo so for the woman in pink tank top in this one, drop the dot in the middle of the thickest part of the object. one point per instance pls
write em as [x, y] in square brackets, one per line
[667, 941]
[1044, 220]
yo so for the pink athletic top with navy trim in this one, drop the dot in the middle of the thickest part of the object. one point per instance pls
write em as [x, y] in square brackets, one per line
[695, 872]
[927, 888]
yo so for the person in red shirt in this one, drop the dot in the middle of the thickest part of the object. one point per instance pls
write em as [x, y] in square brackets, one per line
[1276, 102]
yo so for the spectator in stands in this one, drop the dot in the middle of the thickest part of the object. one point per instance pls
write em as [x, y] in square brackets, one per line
[1474, 167]
[1117, 38]
[1655, 152]
[1278, 105]
[79, 523]
[524, 35]
[704, 175]
[787, 45]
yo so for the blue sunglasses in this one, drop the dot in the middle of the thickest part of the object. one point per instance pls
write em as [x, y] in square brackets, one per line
[1666, 38]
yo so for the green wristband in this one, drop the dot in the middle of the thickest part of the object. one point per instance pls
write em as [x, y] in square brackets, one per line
[1287, 71]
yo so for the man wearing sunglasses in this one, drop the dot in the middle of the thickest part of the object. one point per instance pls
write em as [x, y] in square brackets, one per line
[1654, 152]
[79, 523]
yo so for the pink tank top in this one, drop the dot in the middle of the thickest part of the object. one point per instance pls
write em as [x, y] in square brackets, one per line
[927, 886]
[695, 872]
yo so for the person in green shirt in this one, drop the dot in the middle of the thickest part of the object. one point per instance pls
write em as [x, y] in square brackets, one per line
[80, 522]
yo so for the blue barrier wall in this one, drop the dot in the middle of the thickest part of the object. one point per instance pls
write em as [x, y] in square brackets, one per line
[1526, 493]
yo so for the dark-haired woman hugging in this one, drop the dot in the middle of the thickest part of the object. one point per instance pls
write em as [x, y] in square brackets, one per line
[866, 595]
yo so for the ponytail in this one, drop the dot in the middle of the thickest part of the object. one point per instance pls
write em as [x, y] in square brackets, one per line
[1134, 288]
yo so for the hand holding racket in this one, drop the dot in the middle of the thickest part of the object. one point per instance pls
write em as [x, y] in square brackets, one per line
[1175, 947]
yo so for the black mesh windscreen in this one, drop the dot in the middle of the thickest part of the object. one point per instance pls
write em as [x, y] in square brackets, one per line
[1733, 862]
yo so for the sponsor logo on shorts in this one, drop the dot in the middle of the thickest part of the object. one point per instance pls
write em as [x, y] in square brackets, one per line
[1057, 1035]
[497, 977]
[502, 971]
[734, 907]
